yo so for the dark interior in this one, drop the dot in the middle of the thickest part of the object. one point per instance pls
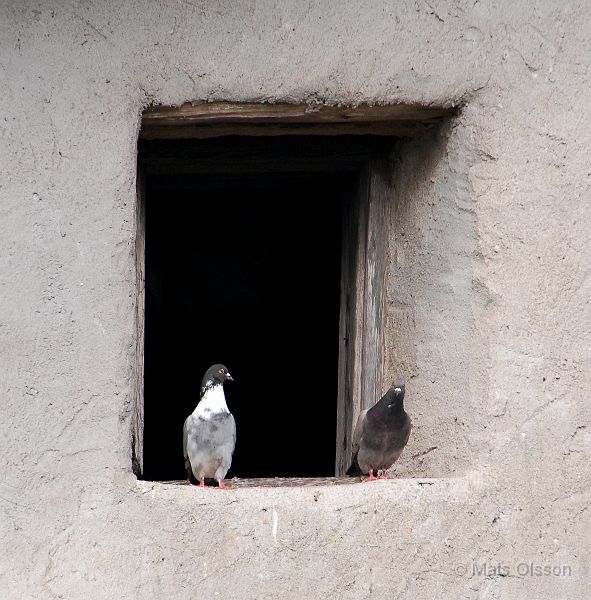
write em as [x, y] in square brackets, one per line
[244, 269]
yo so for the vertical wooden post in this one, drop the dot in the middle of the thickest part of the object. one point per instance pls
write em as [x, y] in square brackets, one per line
[376, 281]
[364, 263]
[137, 418]
[349, 388]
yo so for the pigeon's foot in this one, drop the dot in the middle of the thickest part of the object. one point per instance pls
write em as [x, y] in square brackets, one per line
[371, 477]
[222, 486]
[202, 484]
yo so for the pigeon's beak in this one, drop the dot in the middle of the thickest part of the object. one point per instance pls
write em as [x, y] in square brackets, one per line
[229, 377]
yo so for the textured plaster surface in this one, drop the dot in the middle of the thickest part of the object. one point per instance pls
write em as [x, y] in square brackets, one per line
[489, 312]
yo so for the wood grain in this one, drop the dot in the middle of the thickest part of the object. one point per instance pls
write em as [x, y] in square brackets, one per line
[318, 113]
[376, 265]
[364, 264]
[349, 329]
[137, 420]
[215, 119]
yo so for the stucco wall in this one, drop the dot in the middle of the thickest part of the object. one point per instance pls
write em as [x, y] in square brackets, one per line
[492, 278]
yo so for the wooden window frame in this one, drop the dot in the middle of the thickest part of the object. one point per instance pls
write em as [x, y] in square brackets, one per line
[366, 235]
[364, 267]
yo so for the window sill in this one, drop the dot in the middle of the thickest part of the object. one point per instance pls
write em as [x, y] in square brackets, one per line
[458, 487]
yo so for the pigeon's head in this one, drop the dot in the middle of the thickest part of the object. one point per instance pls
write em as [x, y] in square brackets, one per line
[398, 389]
[215, 375]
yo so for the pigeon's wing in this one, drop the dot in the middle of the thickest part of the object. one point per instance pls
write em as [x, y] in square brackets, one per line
[408, 427]
[228, 444]
[185, 435]
[233, 433]
[219, 436]
[186, 452]
[357, 435]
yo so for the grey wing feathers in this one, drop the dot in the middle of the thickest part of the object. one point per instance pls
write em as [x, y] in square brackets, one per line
[357, 434]
[231, 441]
[186, 452]
[224, 440]
[359, 431]
[185, 427]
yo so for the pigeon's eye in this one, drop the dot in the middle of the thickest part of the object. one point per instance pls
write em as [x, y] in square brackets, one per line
[221, 371]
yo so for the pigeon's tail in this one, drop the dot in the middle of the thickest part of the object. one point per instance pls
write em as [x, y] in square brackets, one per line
[354, 468]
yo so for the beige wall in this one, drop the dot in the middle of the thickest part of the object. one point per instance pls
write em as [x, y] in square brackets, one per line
[489, 301]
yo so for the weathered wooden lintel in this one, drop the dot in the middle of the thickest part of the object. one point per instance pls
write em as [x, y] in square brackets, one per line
[216, 119]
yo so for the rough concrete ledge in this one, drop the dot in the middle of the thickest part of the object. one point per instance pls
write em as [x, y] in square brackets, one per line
[335, 495]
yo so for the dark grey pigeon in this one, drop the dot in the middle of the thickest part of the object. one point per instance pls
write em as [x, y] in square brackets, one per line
[209, 433]
[380, 434]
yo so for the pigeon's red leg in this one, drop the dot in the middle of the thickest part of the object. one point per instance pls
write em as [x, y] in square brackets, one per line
[221, 485]
[370, 477]
[202, 482]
